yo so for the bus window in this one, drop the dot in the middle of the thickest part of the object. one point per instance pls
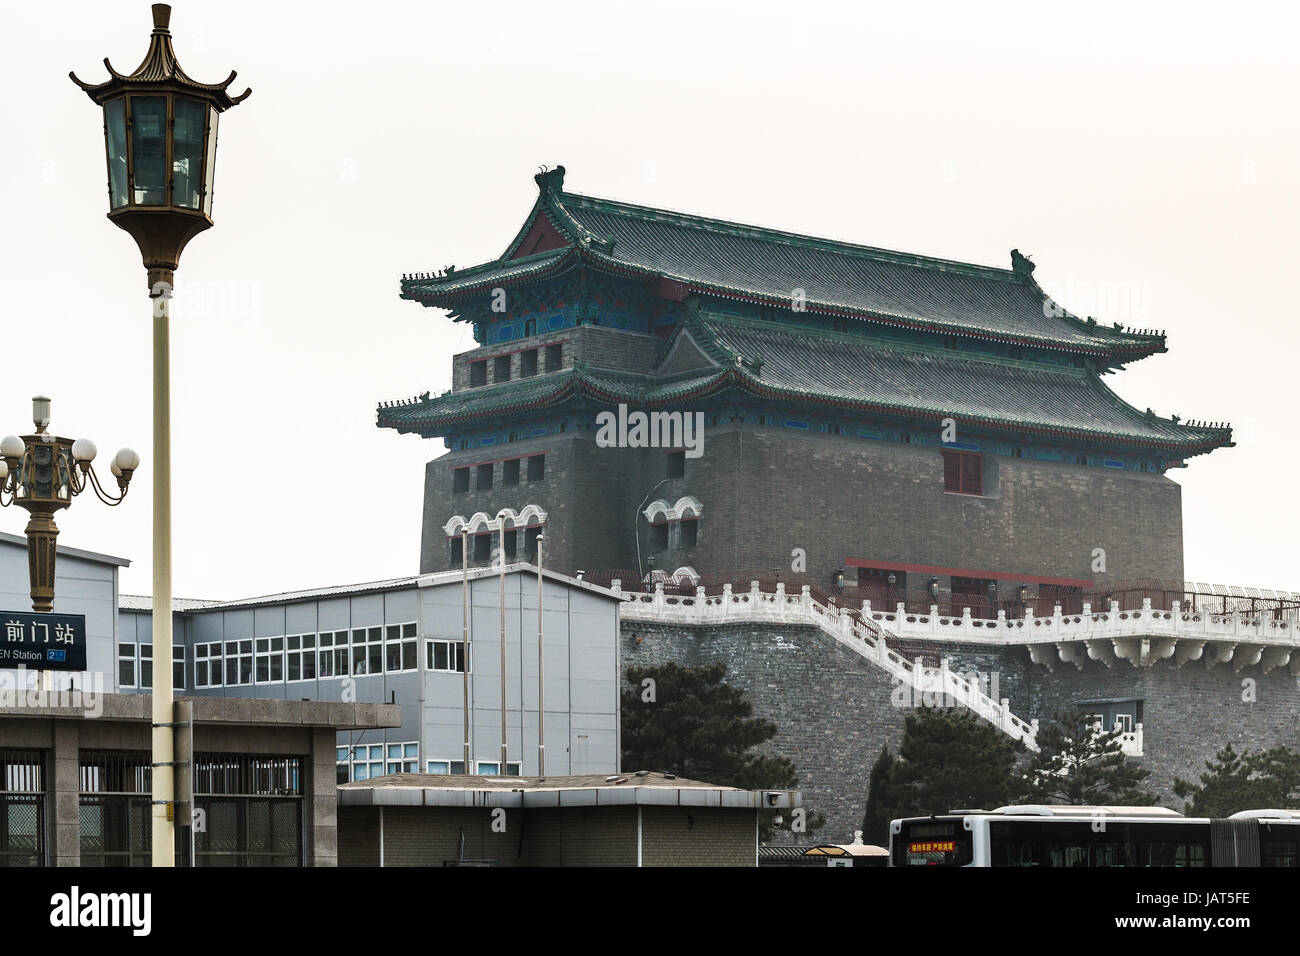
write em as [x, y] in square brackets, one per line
[1279, 846]
[1107, 843]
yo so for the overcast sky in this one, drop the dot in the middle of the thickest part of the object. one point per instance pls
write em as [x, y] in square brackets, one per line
[1145, 155]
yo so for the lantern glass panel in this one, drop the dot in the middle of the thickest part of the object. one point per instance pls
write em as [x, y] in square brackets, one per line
[187, 153]
[210, 160]
[115, 138]
[149, 149]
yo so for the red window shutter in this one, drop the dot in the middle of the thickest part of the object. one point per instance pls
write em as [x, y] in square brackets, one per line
[972, 474]
[952, 471]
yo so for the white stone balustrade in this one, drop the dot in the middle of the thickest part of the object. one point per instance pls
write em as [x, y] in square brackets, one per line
[864, 637]
[1140, 637]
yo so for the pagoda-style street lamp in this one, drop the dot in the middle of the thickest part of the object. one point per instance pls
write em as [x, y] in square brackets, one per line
[160, 132]
[43, 473]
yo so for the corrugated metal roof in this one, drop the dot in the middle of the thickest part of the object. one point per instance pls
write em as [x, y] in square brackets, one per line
[144, 602]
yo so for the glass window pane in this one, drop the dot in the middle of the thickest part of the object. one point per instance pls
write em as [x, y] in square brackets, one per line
[115, 123]
[210, 159]
[187, 152]
[411, 750]
[149, 145]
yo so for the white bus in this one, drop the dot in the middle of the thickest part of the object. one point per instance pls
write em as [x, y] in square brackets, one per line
[1095, 836]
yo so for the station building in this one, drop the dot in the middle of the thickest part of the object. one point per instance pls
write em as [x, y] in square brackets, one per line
[399, 641]
[75, 762]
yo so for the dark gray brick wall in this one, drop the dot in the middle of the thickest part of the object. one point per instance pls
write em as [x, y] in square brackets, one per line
[834, 709]
[766, 491]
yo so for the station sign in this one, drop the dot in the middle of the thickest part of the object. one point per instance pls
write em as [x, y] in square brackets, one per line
[42, 642]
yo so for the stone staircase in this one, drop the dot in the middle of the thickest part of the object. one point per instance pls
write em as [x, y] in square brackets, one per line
[865, 637]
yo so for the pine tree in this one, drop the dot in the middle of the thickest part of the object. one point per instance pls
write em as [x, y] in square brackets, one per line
[1234, 782]
[1079, 764]
[880, 798]
[950, 760]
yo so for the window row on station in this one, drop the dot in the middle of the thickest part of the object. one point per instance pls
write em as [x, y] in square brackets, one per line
[366, 761]
[360, 652]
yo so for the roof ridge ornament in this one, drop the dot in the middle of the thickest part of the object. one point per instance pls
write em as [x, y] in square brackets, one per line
[1021, 264]
[550, 180]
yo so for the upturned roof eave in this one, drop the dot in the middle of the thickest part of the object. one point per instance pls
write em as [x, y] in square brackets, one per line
[579, 384]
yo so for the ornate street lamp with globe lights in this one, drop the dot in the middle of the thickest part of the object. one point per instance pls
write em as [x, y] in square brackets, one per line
[43, 473]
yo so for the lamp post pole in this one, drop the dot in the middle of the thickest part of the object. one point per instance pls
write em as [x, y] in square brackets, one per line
[501, 522]
[541, 687]
[160, 131]
[164, 796]
[464, 640]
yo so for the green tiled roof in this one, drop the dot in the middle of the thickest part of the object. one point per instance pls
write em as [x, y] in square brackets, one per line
[431, 416]
[859, 376]
[972, 389]
[748, 263]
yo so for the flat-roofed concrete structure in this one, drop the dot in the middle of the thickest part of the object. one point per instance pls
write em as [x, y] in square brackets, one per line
[628, 819]
[75, 770]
